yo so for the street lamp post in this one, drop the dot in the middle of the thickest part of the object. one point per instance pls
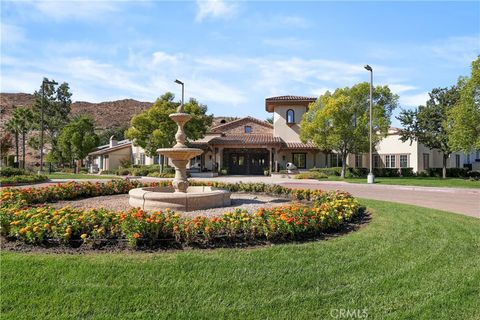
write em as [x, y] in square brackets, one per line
[370, 177]
[42, 122]
[180, 109]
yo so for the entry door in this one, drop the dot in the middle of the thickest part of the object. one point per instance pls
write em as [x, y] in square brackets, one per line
[257, 163]
[238, 163]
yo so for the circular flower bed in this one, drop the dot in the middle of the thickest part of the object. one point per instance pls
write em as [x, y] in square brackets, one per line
[24, 216]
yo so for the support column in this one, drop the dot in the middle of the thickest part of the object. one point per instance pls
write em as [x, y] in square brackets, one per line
[220, 158]
[271, 160]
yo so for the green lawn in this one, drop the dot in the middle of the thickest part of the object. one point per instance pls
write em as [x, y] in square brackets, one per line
[408, 263]
[59, 175]
[416, 181]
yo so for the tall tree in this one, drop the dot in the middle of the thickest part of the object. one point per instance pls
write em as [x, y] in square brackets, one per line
[56, 108]
[12, 126]
[153, 129]
[23, 118]
[429, 124]
[5, 144]
[339, 121]
[464, 117]
[77, 139]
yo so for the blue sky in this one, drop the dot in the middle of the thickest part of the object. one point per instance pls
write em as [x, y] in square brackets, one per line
[233, 54]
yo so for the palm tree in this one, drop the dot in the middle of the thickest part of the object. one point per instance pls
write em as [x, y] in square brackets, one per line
[24, 120]
[12, 126]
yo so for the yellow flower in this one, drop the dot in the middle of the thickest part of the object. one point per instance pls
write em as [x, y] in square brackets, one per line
[36, 229]
[84, 236]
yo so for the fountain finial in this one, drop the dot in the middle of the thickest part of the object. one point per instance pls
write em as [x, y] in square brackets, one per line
[180, 107]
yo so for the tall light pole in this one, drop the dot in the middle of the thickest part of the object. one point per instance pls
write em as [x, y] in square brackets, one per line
[180, 109]
[42, 122]
[370, 177]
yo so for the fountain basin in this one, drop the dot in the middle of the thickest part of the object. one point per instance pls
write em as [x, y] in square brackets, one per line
[196, 198]
[180, 153]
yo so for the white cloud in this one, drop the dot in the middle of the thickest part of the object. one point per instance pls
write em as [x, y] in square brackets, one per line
[317, 92]
[64, 10]
[400, 88]
[11, 34]
[214, 9]
[414, 100]
[455, 49]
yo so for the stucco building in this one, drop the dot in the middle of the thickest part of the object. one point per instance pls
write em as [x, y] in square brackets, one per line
[251, 146]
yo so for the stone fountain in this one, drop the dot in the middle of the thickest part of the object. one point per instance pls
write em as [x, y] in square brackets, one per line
[181, 197]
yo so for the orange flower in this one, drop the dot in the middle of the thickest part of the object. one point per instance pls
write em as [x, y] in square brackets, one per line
[137, 235]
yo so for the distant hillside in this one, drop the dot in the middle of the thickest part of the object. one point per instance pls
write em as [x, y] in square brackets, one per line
[106, 114]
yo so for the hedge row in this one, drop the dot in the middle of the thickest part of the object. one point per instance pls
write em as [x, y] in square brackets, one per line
[13, 180]
[21, 220]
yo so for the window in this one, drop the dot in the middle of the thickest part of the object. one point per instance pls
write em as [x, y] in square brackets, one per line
[248, 129]
[142, 158]
[299, 160]
[335, 160]
[467, 159]
[390, 161]
[457, 161]
[358, 161]
[376, 161]
[290, 116]
[403, 161]
[426, 161]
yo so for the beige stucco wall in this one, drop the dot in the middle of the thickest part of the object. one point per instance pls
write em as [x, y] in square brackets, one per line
[288, 132]
[115, 157]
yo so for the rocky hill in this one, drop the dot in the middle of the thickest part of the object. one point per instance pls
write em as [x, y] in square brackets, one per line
[106, 114]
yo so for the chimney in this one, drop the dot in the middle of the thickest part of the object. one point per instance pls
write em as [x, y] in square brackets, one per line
[113, 141]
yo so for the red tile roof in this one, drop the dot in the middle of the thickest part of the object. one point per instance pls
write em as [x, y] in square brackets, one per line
[271, 102]
[254, 139]
[110, 149]
[224, 126]
[291, 98]
[299, 145]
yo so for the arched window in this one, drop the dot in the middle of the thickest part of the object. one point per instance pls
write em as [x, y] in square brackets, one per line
[290, 116]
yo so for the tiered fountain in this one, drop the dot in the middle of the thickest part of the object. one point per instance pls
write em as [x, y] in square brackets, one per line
[181, 197]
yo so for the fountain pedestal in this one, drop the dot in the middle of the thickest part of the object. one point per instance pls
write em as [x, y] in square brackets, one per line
[181, 197]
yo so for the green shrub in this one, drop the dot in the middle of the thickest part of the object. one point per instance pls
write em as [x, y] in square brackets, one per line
[386, 172]
[333, 171]
[9, 172]
[18, 179]
[357, 172]
[407, 172]
[473, 174]
[162, 175]
[109, 172]
[311, 175]
[123, 172]
[451, 172]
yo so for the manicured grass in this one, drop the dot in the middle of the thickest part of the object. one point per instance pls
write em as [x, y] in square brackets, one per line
[60, 175]
[407, 263]
[416, 181]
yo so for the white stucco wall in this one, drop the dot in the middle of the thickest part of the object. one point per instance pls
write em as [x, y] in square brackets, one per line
[288, 132]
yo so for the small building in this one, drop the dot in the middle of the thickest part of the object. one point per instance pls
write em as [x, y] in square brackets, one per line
[392, 152]
[110, 156]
